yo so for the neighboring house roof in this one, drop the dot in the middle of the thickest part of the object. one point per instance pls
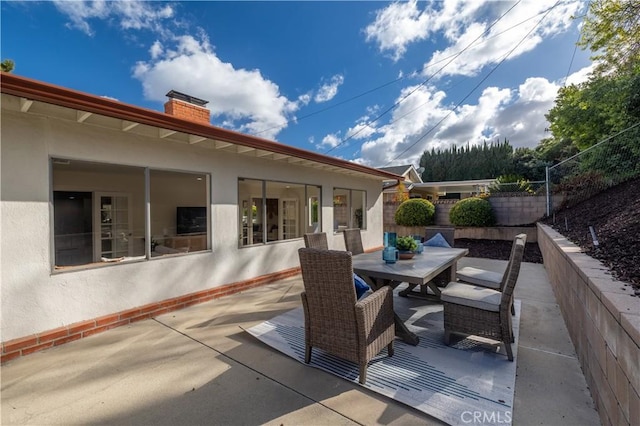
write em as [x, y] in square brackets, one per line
[37, 97]
[455, 186]
[408, 172]
[398, 170]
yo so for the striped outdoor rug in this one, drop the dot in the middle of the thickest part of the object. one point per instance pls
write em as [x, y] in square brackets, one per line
[471, 382]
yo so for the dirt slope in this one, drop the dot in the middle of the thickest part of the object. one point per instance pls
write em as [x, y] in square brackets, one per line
[615, 217]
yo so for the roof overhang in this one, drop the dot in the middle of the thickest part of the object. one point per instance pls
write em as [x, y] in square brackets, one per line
[41, 98]
[454, 186]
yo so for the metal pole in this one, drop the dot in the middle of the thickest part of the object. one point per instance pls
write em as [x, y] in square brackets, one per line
[548, 192]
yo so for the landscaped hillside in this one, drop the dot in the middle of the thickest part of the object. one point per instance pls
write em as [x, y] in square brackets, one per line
[615, 216]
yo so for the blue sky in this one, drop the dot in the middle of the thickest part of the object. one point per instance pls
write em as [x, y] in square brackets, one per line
[372, 82]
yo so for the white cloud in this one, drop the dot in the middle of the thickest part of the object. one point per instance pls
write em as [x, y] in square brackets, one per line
[329, 141]
[304, 99]
[156, 50]
[536, 89]
[487, 45]
[461, 23]
[425, 121]
[582, 75]
[398, 25]
[401, 23]
[329, 90]
[243, 99]
[361, 130]
[132, 14]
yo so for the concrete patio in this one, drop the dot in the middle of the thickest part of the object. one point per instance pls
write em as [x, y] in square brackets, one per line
[197, 366]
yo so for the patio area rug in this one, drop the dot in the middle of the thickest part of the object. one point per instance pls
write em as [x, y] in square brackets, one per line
[469, 382]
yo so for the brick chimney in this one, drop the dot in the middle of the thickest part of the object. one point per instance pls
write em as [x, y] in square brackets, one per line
[187, 107]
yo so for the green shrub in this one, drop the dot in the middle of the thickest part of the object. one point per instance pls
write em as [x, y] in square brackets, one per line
[510, 183]
[415, 212]
[406, 243]
[474, 211]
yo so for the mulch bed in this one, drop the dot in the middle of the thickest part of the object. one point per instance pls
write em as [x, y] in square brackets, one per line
[498, 249]
[614, 215]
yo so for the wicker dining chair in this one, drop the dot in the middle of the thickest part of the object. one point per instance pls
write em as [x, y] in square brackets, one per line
[490, 279]
[481, 311]
[353, 241]
[316, 240]
[334, 320]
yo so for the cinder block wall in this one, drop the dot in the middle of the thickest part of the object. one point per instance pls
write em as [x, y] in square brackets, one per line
[603, 319]
[518, 210]
[509, 210]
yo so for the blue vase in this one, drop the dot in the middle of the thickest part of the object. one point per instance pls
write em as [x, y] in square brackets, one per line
[390, 254]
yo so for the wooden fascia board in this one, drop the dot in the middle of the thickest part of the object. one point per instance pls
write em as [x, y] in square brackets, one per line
[48, 93]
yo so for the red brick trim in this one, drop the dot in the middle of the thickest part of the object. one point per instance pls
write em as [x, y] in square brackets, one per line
[21, 346]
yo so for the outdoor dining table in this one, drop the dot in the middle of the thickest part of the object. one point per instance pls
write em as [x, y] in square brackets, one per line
[420, 270]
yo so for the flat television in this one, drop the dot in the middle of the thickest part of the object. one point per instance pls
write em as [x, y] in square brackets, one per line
[191, 220]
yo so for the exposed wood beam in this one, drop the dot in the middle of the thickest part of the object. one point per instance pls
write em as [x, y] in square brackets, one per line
[221, 145]
[244, 149]
[260, 153]
[25, 104]
[128, 125]
[193, 139]
[280, 156]
[82, 115]
[163, 133]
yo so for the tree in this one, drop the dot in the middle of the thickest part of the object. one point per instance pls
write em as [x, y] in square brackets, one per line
[7, 65]
[612, 30]
[402, 194]
[587, 113]
[467, 162]
[528, 163]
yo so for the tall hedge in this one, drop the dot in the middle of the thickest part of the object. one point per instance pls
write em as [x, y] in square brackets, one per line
[415, 212]
[474, 211]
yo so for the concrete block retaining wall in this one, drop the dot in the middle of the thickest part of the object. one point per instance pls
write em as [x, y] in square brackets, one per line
[506, 233]
[509, 210]
[603, 319]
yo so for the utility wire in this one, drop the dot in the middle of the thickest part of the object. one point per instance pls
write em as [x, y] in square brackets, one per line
[425, 81]
[297, 119]
[575, 49]
[476, 86]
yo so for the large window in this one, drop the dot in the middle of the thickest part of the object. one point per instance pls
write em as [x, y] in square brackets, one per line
[349, 209]
[274, 211]
[100, 213]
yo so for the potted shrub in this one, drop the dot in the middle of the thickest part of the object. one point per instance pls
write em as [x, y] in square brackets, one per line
[406, 246]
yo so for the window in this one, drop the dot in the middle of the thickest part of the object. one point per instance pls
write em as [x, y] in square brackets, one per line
[99, 213]
[275, 211]
[178, 212]
[349, 209]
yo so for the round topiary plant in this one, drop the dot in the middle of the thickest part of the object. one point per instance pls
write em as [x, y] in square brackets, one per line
[415, 212]
[407, 243]
[474, 211]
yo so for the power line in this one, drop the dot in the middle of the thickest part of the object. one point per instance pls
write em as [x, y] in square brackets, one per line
[297, 119]
[575, 49]
[425, 81]
[477, 85]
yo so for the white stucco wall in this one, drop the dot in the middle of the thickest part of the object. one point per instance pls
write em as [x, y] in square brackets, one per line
[35, 298]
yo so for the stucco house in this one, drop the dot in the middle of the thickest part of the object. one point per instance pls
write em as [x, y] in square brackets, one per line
[434, 190]
[112, 213]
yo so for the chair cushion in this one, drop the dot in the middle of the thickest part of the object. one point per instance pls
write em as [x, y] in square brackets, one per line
[479, 277]
[473, 296]
[437, 241]
[361, 286]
